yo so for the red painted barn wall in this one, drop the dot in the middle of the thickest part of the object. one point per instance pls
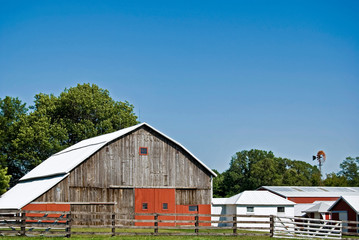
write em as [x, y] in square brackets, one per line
[311, 199]
[155, 197]
[46, 207]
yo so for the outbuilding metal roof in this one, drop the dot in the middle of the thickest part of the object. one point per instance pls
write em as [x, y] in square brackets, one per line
[58, 166]
[295, 191]
[320, 206]
[299, 209]
[253, 198]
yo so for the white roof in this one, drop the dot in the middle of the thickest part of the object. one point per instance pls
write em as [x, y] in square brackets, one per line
[66, 160]
[219, 201]
[352, 201]
[58, 166]
[27, 191]
[320, 206]
[298, 191]
[253, 198]
[299, 209]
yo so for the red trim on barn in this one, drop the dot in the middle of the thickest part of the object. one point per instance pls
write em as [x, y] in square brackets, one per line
[311, 199]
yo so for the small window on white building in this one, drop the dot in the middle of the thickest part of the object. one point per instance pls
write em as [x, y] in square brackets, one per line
[280, 209]
[250, 209]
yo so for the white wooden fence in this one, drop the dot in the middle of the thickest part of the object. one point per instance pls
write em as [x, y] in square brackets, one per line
[284, 227]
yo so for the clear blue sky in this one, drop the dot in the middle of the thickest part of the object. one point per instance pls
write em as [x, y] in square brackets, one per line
[217, 76]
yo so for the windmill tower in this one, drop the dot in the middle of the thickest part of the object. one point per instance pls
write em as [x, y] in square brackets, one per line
[321, 159]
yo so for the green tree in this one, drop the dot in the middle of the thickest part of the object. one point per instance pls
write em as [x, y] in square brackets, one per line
[4, 180]
[335, 180]
[266, 172]
[218, 189]
[55, 123]
[12, 110]
[350, 170]
[251, 169]
[240, 175]
[300, 173]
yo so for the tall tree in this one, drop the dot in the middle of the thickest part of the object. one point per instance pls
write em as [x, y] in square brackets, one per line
[350, 170]
[240, 175]
[300, 173]
[218, 189]
[12, 110]
[335, 180]
[55, 123]
[251, 169]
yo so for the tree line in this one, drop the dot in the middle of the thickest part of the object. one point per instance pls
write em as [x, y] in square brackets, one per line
[250, 169]
[29, 135]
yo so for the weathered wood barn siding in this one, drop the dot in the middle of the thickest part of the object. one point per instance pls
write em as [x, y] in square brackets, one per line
[113, 172]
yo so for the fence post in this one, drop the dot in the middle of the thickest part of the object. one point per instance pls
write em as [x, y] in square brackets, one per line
[156, 223]
[22, 222]
[113, 224]
[196, 224]
[271, 219]
[69, 222]
[234, 224]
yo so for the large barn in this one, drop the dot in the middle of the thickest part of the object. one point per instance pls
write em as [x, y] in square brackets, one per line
[133, 170]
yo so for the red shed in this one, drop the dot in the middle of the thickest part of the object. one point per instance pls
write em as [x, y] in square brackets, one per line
[346, 208]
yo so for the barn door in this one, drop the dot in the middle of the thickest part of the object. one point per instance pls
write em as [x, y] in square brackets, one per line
[343, 216]
[154, 200]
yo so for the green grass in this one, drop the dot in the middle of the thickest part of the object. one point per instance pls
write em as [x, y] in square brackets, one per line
[147, 238]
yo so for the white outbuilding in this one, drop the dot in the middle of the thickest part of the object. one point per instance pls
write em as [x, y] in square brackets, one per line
[251, 203]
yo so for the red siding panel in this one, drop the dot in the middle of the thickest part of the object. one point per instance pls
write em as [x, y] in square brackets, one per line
[46, 207]
[155, 197]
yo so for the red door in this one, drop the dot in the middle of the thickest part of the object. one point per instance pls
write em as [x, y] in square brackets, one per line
[155, 200]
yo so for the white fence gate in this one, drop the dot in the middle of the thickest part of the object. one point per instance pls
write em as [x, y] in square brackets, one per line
[284, 227]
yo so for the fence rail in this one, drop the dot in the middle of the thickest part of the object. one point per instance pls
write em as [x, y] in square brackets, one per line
[65, 224]
[35, 223]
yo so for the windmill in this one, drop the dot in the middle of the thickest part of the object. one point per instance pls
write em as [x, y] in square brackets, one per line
[321, 159]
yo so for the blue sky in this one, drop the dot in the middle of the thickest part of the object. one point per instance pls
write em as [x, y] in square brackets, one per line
[217, 76]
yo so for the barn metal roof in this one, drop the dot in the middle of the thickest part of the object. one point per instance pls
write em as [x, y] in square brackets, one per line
[352, 201]
[298, 191]
[27, 191]
[252, 198]
[66, 160]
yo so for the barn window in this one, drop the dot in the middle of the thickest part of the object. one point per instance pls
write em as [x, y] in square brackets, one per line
[193, 208]
[165, 206]
[280, 209]
[250, 209]
[144, 206]
[143, 151]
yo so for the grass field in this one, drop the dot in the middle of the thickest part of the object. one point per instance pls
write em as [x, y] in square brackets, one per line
[149, 238]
